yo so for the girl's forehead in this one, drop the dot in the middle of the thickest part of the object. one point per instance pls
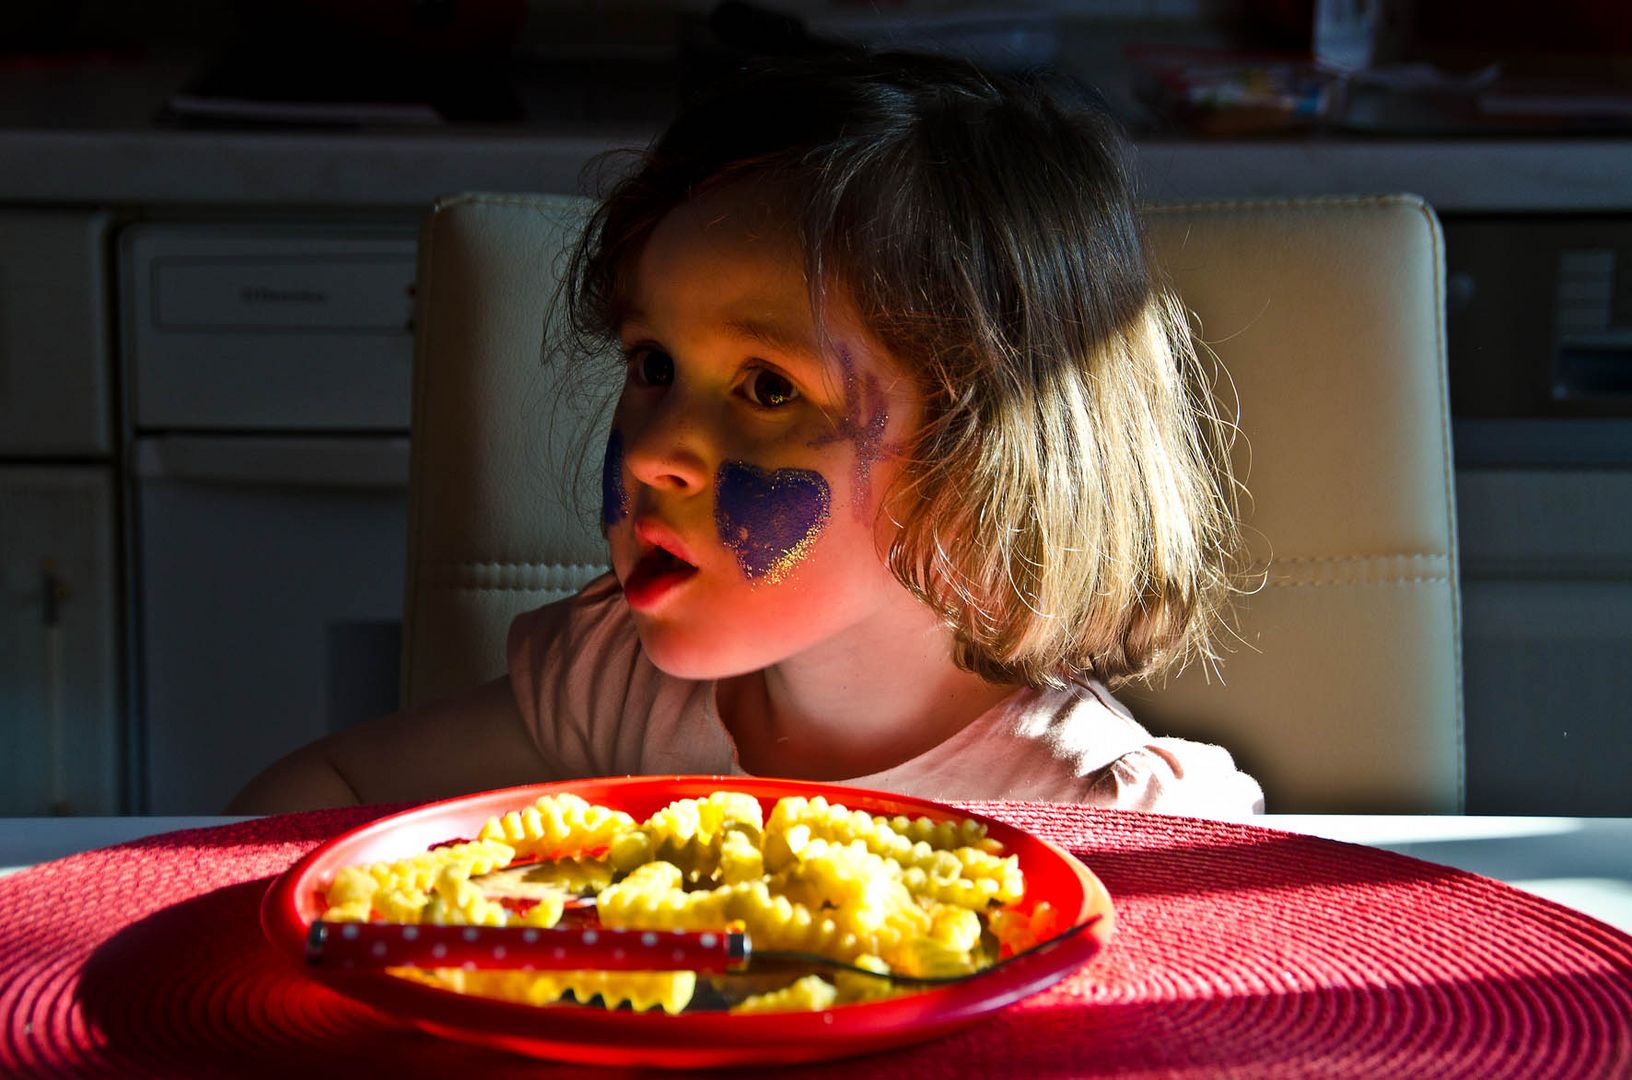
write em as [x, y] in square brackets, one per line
[726, 245]
[727, 263]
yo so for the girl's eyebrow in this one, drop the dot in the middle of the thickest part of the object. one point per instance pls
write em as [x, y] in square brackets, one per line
[768, 332]
[772, 334]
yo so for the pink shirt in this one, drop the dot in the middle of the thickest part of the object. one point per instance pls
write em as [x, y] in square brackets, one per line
[597, 707]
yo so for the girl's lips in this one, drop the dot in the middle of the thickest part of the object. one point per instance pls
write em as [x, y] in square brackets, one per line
[652, 533]
[658, 573]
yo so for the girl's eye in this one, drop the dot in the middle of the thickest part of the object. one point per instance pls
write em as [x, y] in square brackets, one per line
[768, 389]
[651, 367]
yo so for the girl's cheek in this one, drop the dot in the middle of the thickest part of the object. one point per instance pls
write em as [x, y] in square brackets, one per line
[769, 519]
[614, 498]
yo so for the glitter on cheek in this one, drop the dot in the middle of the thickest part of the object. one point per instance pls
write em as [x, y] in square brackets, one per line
[614, 499]
[866, 417]
[769, 519]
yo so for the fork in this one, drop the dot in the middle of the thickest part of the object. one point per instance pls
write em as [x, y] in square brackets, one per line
[356, 946]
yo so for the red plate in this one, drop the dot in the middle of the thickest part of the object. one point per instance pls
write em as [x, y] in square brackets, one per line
[689, 1040]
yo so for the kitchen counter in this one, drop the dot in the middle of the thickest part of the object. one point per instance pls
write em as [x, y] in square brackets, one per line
[409, 169]
[87, 136]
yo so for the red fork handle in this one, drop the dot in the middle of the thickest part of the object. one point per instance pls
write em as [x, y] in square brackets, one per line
[362, 946]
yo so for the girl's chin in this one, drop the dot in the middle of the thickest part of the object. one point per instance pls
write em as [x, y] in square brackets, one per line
[679, 655]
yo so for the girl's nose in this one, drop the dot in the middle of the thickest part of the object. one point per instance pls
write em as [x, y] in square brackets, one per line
[665, 447]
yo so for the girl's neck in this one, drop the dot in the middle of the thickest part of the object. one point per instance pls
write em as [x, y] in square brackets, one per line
[877, 698]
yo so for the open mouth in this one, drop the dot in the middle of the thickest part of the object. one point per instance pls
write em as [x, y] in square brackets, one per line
[655, 575]
[660, 561]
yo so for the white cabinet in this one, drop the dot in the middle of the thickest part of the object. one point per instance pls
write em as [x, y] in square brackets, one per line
[60, 733]
[53, 334]
[62, 729]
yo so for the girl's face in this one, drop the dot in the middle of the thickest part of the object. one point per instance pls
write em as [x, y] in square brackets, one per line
[746, 464]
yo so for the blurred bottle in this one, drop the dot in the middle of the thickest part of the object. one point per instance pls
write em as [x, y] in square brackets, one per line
[1354, 35]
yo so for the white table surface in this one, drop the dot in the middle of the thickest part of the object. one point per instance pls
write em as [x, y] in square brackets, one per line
[1585, 863]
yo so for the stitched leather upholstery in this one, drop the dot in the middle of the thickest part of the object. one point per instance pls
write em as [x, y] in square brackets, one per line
[1344, 692]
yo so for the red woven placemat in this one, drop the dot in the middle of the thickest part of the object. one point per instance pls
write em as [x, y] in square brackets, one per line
[1240, 952]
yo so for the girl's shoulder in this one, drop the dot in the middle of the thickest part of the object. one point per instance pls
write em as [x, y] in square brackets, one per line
[584, 627]
[1080, 744]
[1083, 720]
[1154, 773]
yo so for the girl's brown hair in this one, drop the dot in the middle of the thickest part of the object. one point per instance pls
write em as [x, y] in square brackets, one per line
[1068, 507]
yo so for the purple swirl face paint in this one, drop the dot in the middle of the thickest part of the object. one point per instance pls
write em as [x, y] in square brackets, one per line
[866, 415]
[769, 519]
[614, 499]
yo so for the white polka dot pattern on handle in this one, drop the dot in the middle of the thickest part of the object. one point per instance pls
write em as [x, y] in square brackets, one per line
[428, 945]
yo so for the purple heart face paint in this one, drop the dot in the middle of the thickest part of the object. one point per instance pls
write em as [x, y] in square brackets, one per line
[614, 499]
[769, 520]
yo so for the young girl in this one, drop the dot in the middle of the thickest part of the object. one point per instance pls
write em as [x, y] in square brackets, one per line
[913, 457]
